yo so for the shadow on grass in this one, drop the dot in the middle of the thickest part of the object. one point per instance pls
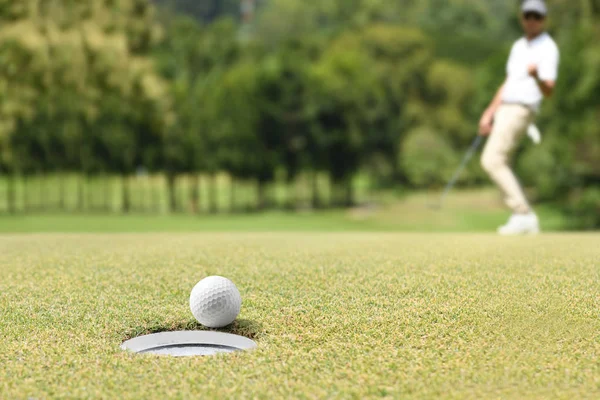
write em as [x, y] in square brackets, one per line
[243, 327]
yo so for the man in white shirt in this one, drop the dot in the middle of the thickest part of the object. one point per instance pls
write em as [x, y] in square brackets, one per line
[532, 71]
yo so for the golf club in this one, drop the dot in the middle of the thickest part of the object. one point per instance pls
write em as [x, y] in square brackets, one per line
[474, 146]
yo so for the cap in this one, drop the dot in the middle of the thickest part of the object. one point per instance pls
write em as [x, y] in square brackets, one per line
[538, 6]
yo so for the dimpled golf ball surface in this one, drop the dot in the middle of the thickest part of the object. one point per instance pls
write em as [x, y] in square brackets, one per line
[215, 302]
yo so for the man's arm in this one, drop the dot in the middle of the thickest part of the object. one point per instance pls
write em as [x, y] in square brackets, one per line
[487, 119]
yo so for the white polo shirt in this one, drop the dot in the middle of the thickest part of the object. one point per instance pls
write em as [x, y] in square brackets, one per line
[522, 88]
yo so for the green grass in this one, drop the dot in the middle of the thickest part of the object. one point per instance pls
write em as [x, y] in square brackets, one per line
[335, 315]
[463, 212]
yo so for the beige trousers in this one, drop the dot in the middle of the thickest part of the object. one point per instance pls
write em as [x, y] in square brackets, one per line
[510, 124]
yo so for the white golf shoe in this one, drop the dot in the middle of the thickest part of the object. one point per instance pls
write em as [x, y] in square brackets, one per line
[521, 224]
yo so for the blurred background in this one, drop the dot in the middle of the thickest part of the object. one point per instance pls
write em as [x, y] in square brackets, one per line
[237, 106]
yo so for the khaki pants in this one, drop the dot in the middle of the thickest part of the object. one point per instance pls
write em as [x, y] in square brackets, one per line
[510, 124]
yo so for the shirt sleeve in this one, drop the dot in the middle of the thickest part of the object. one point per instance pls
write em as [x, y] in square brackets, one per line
[511, 58]
[548, 68]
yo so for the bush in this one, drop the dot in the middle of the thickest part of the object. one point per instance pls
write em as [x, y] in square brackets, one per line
[538, 168]
[427, 158]
[586, 209]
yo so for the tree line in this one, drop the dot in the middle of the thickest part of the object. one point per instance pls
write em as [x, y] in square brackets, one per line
[188, 89]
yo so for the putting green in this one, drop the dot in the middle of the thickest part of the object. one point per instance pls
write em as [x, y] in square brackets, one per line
[334, 315]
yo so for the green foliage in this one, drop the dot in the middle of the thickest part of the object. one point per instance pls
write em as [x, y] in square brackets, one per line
[203, 11]
[427, 158]
[451, 88]
[539, 168]
[194, 59]
[585, 208]
[77, 80]
[279, 20]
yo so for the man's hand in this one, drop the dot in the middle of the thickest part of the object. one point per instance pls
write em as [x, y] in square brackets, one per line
[547, 87]
[485, 123]
[487, 119]
[532, 70]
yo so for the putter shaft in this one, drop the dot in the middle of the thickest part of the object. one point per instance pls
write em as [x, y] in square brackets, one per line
[474, 146]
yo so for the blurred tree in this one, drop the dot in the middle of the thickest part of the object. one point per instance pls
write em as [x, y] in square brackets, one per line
[204, 11]
[250, 142]
[283, 102]
[194, 58]
[65, 70]
[279, 20]
[427, 158]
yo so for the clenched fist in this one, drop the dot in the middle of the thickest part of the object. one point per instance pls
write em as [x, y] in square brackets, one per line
[532, 70]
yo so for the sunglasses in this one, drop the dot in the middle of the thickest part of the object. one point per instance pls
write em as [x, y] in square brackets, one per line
[533, 15]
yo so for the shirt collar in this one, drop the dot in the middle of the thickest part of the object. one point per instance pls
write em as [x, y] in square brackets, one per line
[536, 39]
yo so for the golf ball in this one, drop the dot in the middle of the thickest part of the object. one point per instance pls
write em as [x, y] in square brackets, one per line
[215, 302]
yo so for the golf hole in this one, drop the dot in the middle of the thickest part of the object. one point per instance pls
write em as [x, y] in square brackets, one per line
[188, 343]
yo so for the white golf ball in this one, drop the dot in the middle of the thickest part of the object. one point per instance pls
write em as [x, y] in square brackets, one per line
[215, 302]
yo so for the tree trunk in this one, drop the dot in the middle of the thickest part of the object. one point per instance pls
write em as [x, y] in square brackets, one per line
[349, 200]
[194, 193]
[289, 197]
[81, 193]
[171, 180]
[213, 207]
[126, 194]
[155, 197]
[25, 193]
[232, 196]
[261, 196]
[315, 201]
[41, 186]
[90, 193]
[107, 193]
[147, 198]
[335, 195]
[10, 194]
[62, 204]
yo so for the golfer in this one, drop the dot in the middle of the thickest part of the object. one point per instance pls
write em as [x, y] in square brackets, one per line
[532, 70]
